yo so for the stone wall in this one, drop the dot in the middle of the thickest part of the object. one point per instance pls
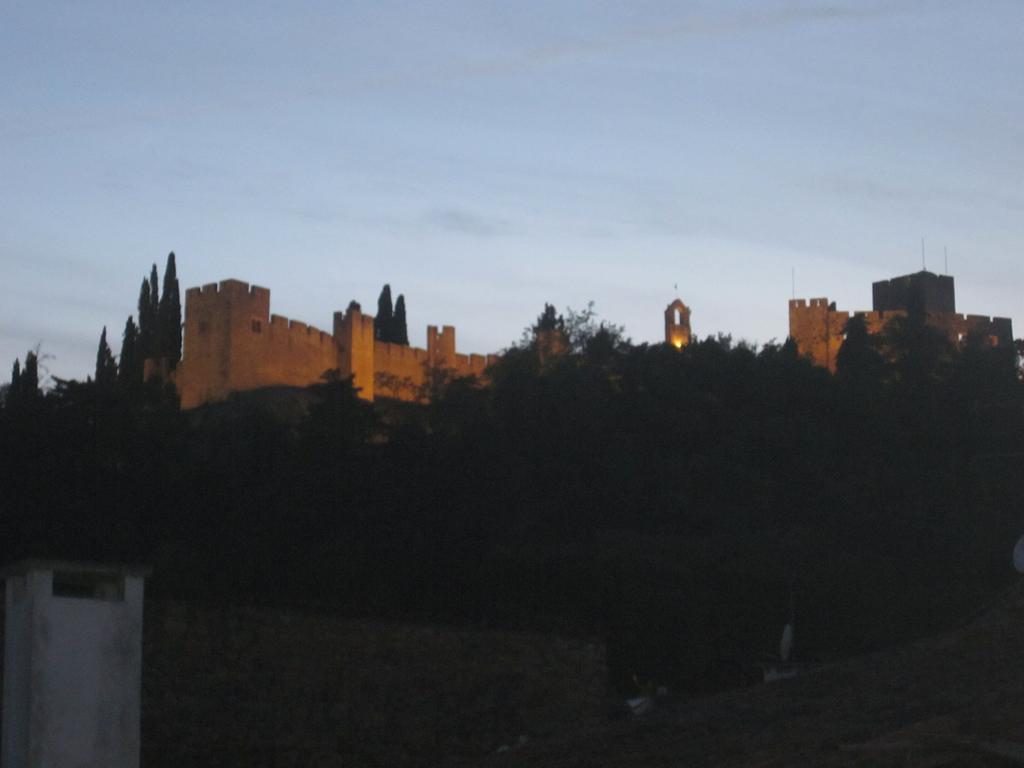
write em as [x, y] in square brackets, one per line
[232, 343]
[818, 328]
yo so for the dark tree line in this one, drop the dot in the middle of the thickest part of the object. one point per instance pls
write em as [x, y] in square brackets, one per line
[674, 503]
[24, 386]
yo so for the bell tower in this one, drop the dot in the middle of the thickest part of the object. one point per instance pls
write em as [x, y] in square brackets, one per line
[677, 324]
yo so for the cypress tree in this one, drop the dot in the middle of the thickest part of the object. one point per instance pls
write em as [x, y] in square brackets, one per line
[169, 314]
[147, 324]
[156, 341]
[129, 369]
[106, 368]
[29, 379]
[154, 289]
[399, 330]
[385, 315]
[24, 381]
[11, 395]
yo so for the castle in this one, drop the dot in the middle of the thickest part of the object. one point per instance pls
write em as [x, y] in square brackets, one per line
[232, 343]
[818, 328]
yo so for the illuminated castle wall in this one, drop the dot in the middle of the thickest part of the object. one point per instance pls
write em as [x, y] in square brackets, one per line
[232, 343]
[818, 327]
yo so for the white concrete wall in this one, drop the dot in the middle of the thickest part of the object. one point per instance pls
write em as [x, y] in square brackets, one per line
[17, 672]
[75, 671]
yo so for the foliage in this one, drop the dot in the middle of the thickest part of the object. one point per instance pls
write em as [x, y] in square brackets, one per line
[399, 325]
[668, 501]
[385, 315]
[129, 366]
[390, 324]
[169, 315]
[106, 368]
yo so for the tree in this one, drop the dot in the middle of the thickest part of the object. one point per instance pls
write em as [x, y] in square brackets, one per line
[919, 354]
[169, 315]
[385, 315]
[549, 320]
[30, 376]
[106, 368]
[24, 380]
[129, 369]
[858, 359]
[399, 328]
[154, 292]
[147, 324]
[582, 326]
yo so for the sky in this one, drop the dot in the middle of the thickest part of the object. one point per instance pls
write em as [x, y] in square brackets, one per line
[485, 158]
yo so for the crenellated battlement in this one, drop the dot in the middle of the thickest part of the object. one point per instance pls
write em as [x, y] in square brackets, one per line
[819, 329]
[226, 287]
[233, 343]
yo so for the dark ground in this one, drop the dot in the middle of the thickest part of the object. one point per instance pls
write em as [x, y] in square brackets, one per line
[953, 700]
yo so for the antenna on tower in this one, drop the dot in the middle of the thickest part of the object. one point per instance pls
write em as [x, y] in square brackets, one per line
[945, 260]
[922, 254]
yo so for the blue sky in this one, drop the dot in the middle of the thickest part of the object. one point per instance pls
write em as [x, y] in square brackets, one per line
[484, 158]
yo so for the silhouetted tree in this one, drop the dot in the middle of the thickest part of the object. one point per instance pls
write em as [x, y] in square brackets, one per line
[919, 354]
[582, 326]
[129, 367]
[546, 337]
[106, 368]
[154, 293]
[549, 320]
[147, 325]
[858, 359]
[24, 388]
[30, 375]
[339, 423]
[399, 328]
[385, 315]
[169, 316]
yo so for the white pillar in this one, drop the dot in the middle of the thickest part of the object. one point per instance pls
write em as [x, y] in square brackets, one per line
[72, 665]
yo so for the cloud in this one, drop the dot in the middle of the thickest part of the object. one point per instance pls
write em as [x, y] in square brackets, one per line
[694, 26]
[317, 214]
[463, 222]
[33, 260]
[853, 187]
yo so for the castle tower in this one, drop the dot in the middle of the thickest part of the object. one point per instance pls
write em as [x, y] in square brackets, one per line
[441, 346]
[677, 324]
[223, 324]
[353, 333]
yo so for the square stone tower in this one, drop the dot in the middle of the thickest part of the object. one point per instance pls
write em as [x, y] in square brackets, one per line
[72, 665]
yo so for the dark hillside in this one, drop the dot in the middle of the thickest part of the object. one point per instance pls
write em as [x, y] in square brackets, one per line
[956, 699]
[680, 505]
